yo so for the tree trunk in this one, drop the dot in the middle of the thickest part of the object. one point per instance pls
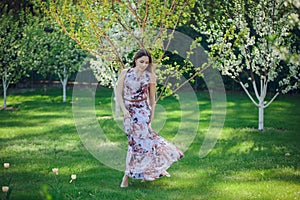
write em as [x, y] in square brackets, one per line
[261, 98]
[65, 81]
[117, 106]
[4, 92]
[261, 115]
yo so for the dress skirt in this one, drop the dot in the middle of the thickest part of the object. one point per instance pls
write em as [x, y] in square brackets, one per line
[148, 153]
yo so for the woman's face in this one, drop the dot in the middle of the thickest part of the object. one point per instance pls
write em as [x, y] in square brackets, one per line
[142, 63]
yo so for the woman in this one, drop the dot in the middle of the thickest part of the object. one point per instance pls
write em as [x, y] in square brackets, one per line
[149, 155]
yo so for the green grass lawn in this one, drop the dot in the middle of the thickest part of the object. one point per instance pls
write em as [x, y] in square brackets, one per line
[39, 134]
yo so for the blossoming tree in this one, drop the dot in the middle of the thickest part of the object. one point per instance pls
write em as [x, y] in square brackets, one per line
[241, 37]
[50, 51]
[113, 30]
[11, 66]
[294, 22]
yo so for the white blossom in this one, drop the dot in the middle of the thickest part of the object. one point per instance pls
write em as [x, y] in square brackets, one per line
[6, 165]
[258, 52]
[5, 189]
[55, 171]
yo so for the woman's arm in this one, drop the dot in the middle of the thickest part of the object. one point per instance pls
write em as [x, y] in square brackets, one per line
[152, 94]
[119, 93]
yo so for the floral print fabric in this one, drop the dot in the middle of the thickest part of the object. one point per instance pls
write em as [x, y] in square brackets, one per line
[148, 153]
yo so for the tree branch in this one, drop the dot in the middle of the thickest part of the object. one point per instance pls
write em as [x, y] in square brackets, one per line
[255, 89]
[73, 37]
[137, 18]
[60, 78]
[9, 79]
[5, 80]
[146, 16]
[115, 51]
[265, 86]
[124, 27]
[190, 78]
[130, 33]
[245, 89]
[158, 34]
[176, 23]
[271, 100]
[160, 95]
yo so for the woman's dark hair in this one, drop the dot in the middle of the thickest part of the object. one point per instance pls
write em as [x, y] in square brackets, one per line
[141, 53]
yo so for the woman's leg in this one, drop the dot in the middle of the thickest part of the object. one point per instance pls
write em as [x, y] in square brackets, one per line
[124, 181]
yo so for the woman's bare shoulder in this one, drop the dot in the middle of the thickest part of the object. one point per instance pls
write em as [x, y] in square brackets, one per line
[124, 71]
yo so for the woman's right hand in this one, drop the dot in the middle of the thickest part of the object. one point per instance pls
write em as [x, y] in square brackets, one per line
[126, 114]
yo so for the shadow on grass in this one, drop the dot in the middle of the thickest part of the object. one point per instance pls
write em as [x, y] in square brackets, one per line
[256, 160]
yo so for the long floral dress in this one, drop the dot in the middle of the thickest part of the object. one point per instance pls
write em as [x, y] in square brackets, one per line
[148, 153]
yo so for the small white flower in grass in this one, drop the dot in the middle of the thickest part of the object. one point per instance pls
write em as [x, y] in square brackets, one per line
[73, 177]
[6, 165]
[55, 171]
[287, 154]
[5, 188]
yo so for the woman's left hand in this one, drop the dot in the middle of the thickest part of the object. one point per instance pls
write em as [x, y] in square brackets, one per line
[126, 114]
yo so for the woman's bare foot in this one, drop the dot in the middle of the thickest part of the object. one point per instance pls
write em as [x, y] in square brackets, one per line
[181, 155]
[165, 173]
[124, 181]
